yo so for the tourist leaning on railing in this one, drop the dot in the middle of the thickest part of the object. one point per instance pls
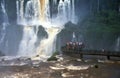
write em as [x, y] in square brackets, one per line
[76, 46]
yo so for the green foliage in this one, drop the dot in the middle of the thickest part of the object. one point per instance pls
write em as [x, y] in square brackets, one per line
[103, 22]
[101, 29]
[96, 66]
[53, 57]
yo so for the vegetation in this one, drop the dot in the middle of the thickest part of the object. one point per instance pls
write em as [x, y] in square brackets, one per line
[100, 30]
[53, 57]
[96, 66]
[101, 27]
[105, 22]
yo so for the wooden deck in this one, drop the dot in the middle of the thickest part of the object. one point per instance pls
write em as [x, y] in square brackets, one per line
[91, 52]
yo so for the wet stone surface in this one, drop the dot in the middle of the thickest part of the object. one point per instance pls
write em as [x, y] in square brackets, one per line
[68, 67]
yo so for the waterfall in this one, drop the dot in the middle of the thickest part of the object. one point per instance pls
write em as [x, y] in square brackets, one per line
[74, 37]
[27, 45]
[5, 22]
[32, 14]
[73, 12]
[117, 47]
[37, 12]
[68, 9]
[61, 12]
[3, 40]
[48, 45]
[5, 16]
[20, 11]
[55, 2]
[17, 7]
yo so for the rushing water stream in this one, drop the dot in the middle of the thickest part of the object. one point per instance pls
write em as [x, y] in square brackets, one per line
[36, 13]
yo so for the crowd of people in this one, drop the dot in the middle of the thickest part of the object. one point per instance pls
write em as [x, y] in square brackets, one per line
[74, 45]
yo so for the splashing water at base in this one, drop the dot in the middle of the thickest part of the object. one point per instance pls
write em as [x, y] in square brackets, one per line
[47, 46]
[27, 46]
[38, 12]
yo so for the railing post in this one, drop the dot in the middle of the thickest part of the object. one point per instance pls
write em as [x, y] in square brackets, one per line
[81, 56]
[108, 57]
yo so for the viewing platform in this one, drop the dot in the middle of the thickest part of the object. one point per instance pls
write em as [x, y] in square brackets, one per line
[81, 52]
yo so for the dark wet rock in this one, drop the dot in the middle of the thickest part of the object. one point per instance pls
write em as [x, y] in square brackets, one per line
[2, 54]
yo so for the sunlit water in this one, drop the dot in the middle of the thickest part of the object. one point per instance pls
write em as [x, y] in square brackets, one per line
[36, 13]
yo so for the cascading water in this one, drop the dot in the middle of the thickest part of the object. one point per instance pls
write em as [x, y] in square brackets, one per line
[47, 46]
[73, 11]
[74, 37]
[27, 46]
[3, 41]
[5, 16]
[37, 12]
[20, 11]
[55, 2]
[66, 10]
[5, 22]
[117, 47]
